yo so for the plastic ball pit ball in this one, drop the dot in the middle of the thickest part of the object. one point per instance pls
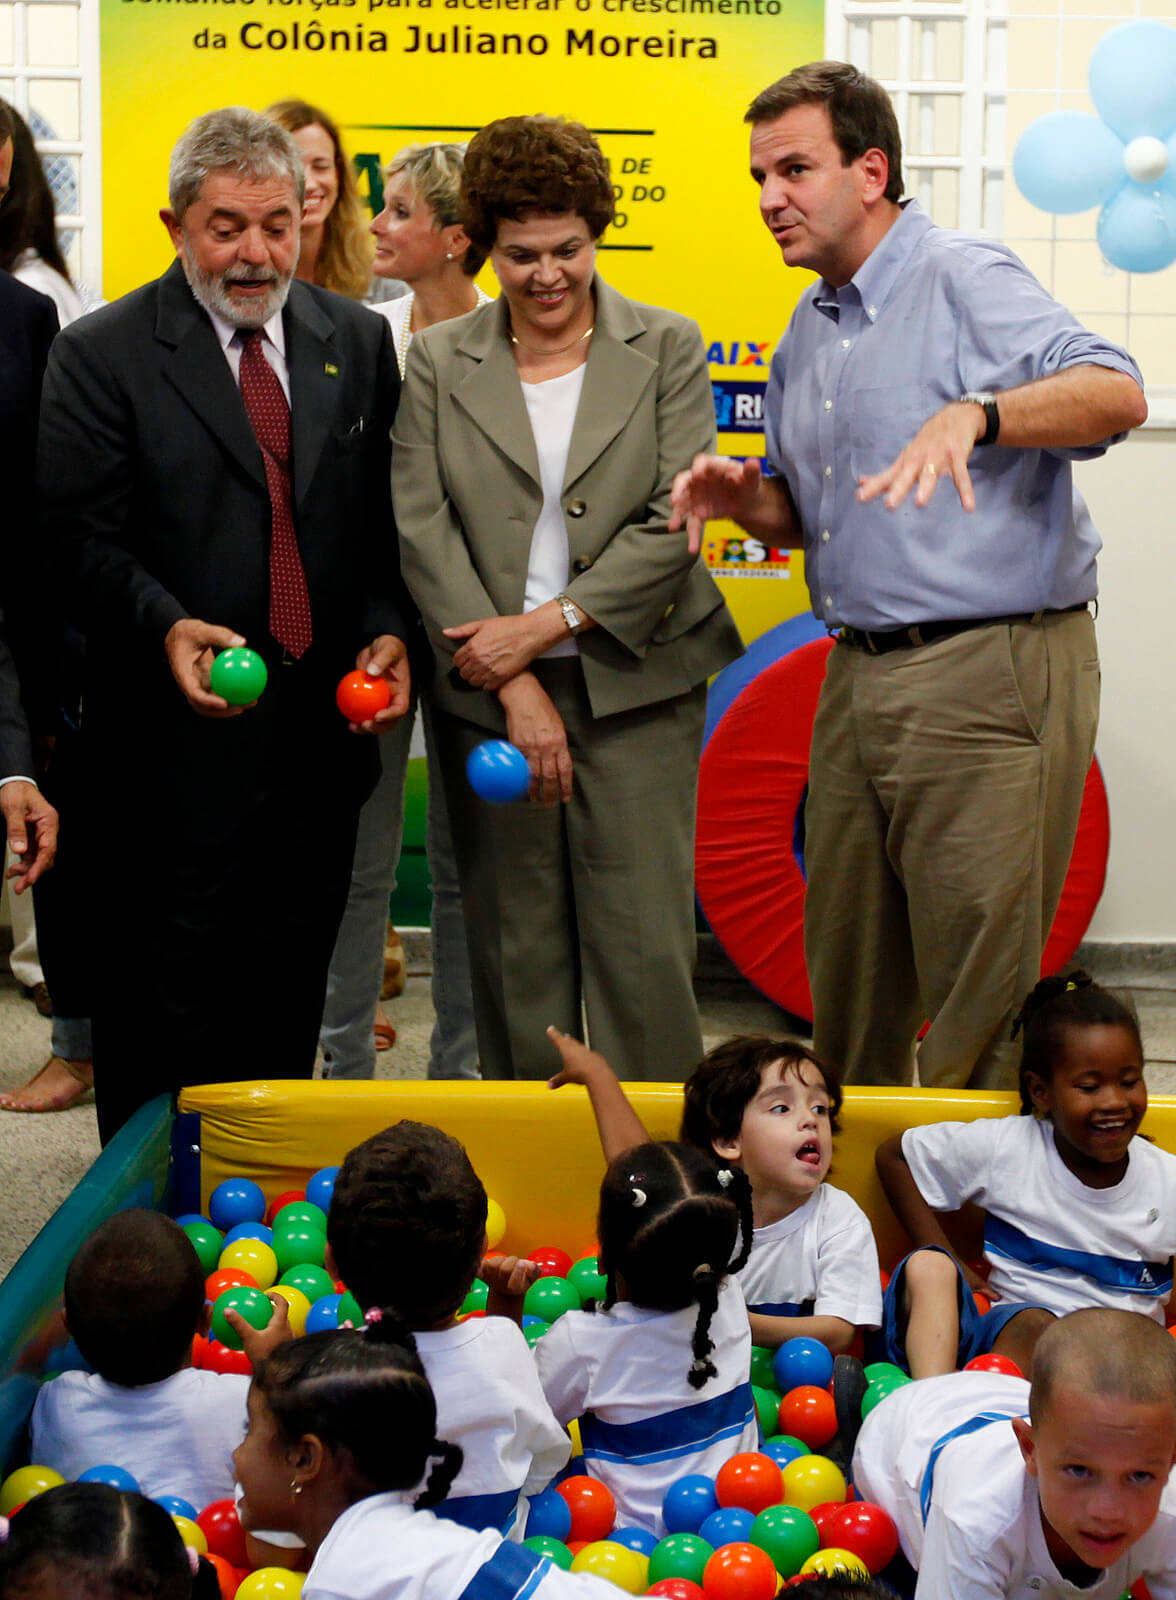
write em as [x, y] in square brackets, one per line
[321, 1186]
[236, 1200]
[114, 1477]
[298, 1244]
[222, 1528]
[680, 1555]
[549, 1298]
[498, 771]
[866, 1531]
[762, 1374]
[688, 1502]
[495, 1224]
[811, 1479]
[678, 1589]
[740, 1572]
[314, 1281]
[638, 1539]
[299, 1307]
[300, 1213]
[829, 1562]
[801, 1362]
[207, 1241]
[767, 1408]
[249, 1230]
[176, 1507]
[287, 1197]
[554, 1262]
[750, 1480]
[607, 1559]
[809, 1414]
[728, 1525]
[783, 1448]
[23, 1484]
[249, 1303]
[592, 1507]
[550, 1517]
[477, 1297]
[878, 1388]
[253, 1256]
[788, 1535]
[994, 1363]
[271, 1583]
[823, 1515]
[227, 1577]
[360, 695]
[222, 1358]
[588, 1278]
[191, 1533]
[554, 1549]
[238, 675]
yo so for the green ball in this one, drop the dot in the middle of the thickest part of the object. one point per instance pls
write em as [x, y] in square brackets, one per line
[555, 1550]
[790, 1438]
[252, 1305]
[208, 1243]
[882, 1369]
[681, 1555]
[877, 1391]
[477, 1297]
[763, 1375]
[549, 1298]
[297, 1245]
[787, 1534]
[767, 1408]
[314, 1281]
[588, 1278]
[300, 1213]
[534, 1332]
[238, 676]
[350, 1310]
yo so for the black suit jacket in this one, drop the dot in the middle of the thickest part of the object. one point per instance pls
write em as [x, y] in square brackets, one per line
[155, 503]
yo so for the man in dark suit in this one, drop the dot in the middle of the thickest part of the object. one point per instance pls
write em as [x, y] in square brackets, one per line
[214, 466]
[30, 822]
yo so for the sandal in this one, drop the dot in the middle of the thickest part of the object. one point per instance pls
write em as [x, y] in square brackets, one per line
[385, 1036]
[66, 1082]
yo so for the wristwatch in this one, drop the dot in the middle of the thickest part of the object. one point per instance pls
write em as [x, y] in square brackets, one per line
[570, 614]
[982, 397]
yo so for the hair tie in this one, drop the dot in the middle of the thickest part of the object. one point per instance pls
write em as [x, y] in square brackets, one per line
[372, 1317]
[1071, 985]
[726, 1177]
[639, 1196]
[193, 1558]
[5, 1525]
[702, 1270]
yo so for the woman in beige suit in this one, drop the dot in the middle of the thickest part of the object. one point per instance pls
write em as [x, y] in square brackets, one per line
[535, 448]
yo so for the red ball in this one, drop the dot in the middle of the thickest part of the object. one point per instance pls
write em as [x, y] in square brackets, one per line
[592, 1506]
[866, 1530]
[823, 1514]
[226, 1575]
[221, 1526]
[286, 1199]
[556, 1263]
[199, 1350]
[740, 1572]
[808, 1413]
[227, 1278]
[994, 1363]
[983, 1303]
[219, 1358]
[749, 1480]
[677, 1589]
[576, 1545]
[359, 696]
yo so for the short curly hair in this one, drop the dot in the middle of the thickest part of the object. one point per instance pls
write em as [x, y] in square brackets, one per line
[521, 164]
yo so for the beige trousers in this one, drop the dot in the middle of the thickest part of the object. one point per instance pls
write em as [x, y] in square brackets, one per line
[590, 903]
[945, 786]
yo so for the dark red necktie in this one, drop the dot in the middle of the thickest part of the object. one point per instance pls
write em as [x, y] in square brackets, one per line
[269, 413]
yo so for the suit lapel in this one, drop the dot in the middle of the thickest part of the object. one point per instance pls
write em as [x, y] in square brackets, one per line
[316, 380]
[195, 365]
[615, 378]
[491, 394]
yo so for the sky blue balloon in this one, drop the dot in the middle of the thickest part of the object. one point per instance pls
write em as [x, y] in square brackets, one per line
[1067, 161]
[1133, 79]
[1137, 228]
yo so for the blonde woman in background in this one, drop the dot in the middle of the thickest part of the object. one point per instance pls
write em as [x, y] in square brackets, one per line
[420, 241]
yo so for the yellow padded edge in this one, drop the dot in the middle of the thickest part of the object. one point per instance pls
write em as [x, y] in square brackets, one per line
[535, 1149]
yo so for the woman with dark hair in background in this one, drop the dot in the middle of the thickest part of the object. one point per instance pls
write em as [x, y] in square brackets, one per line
[29, 247]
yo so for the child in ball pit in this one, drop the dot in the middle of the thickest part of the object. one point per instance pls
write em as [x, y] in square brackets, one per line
[1071, 1499]
[89, 1540]
[342, 1431]
[1079, 1210]
[134, 1302]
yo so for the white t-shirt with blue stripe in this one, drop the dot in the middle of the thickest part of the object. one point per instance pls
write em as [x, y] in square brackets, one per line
[625, 1374]
[819, 1261]
[1051, 1240]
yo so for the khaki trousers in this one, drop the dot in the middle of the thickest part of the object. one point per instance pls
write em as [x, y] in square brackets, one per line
[945, 786]
[589, 903]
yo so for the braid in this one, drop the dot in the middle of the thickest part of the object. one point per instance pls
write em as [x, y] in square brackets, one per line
[447, 1459]
[706, 1283]
[740, 1190]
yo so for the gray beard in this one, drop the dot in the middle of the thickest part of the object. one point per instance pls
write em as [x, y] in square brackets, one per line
[212, 292]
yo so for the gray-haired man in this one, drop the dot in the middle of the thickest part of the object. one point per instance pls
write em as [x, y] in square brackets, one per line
[214, 466]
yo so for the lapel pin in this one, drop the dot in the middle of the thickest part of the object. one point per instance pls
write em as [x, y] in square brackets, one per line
[330, 369]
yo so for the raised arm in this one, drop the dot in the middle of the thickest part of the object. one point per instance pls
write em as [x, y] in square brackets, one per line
[619, 1126]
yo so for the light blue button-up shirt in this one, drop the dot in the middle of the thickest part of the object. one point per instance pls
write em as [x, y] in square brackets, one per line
[929, 315]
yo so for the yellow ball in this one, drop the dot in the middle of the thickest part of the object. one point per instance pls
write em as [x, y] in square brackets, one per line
[573, 1431]
[191, 1534]
[253, 1256]
[832, 1563]
[270, 1583]
[495, 1224]
[628, 1569]
[24, 1483]
[811, 1481]
[298, 1303]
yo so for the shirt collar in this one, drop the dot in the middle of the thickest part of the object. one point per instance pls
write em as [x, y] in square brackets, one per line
[273, 331]
[873, 281]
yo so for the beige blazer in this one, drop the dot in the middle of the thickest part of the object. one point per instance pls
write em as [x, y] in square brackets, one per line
[465, 483]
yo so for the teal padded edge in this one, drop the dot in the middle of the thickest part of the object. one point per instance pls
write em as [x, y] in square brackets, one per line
[132, 1171]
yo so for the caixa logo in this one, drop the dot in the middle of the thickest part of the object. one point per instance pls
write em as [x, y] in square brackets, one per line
[738, 353]
[739, 406]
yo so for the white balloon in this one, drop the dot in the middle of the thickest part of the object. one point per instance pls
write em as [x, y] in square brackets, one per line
[1146, 159]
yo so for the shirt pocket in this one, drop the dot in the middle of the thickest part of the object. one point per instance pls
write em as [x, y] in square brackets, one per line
[882, 422]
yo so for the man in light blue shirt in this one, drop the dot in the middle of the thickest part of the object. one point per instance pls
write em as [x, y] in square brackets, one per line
[957, 719]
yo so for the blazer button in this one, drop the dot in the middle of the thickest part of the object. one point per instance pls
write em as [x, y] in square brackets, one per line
[582, 564]
[576, 508]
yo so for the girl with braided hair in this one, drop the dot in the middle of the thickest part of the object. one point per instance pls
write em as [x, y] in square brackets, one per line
[1079, 1210]
[342, 1451]
[659, 1374]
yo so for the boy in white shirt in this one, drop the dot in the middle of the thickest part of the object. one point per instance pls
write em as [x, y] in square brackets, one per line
[1070, 1499]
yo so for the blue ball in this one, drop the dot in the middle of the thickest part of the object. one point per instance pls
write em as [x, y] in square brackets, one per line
[549, 1514]
[731, 1525]
[688, 1503]
[250, 1230]
[177, 1507]
[782, 1451]
[236, 1200]
[116, 1477]
[323, 1314]
[190, 1216]
[321, 1187]
[634, 1539]
[498, 771]
[801, 1361]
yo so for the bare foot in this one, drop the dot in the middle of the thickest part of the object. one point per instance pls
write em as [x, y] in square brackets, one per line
[59, 1085]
